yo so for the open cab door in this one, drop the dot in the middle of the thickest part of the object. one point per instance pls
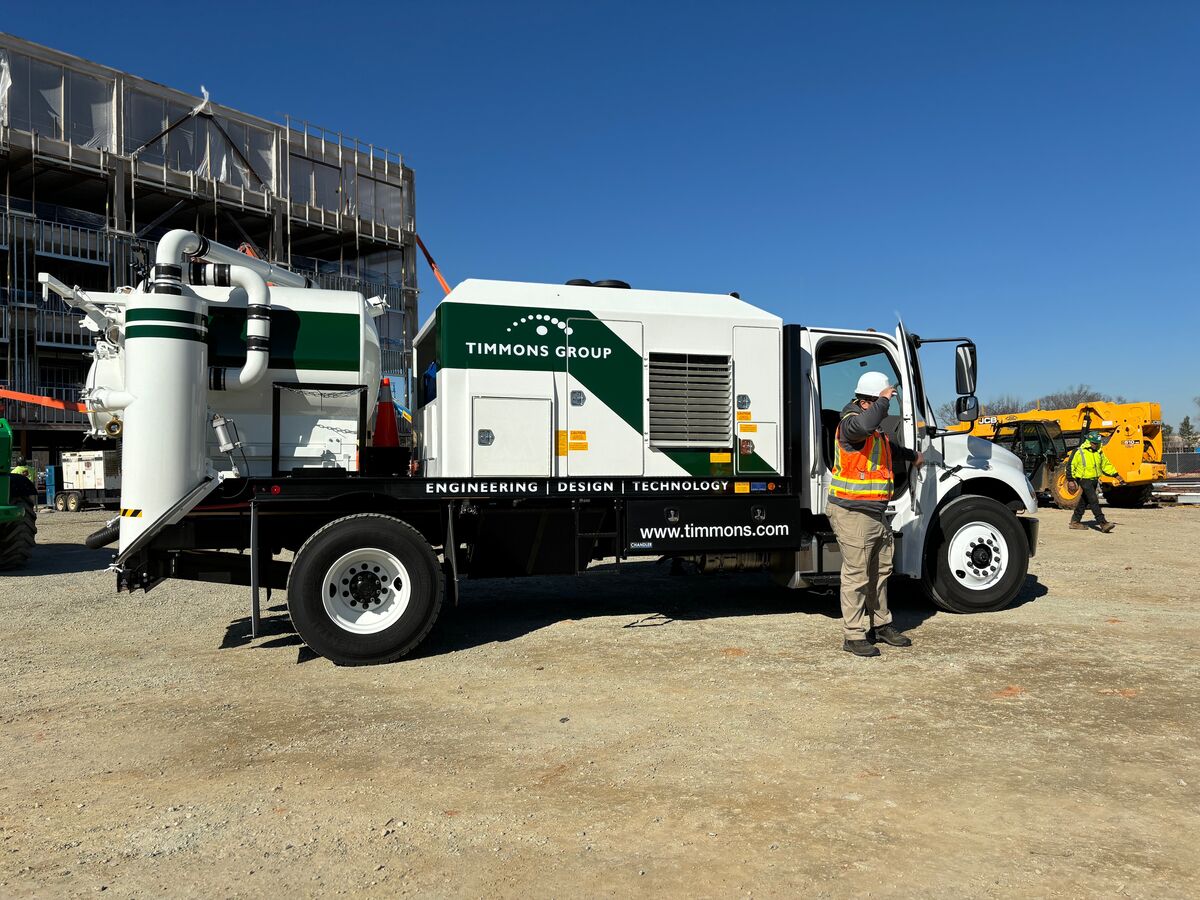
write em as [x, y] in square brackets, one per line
[912, 405]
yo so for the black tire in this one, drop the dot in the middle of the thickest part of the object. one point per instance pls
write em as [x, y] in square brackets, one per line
[74, 502]
[947, 584]
[1060, 494]
[17, 538]
[60, 502]
[1129, 496]
[307, 586]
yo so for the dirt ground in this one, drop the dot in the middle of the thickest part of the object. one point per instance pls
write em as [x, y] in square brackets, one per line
[619, 733]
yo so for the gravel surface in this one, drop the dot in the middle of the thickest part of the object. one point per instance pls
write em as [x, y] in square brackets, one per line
[623, 732]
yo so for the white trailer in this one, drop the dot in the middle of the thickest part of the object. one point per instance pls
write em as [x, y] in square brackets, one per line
[89, 478]
[554, 425]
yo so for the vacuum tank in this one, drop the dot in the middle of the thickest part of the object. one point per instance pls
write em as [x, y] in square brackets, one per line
[220, 364]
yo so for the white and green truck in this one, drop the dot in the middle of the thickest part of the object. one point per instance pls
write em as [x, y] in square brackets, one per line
[554, 425]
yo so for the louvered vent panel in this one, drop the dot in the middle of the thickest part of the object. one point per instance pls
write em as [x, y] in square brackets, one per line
[691, 400]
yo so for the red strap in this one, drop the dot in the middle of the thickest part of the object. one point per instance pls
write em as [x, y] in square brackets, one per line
[429, 259]
[37, 400]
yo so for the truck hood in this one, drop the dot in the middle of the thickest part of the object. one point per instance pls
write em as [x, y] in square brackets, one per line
[979, 457]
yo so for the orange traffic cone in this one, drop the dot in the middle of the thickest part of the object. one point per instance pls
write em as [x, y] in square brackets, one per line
[386, 432]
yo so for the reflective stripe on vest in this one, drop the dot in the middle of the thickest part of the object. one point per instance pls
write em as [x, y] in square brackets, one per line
[864, 474]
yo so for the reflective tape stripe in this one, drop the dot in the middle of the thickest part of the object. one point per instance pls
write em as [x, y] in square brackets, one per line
[859, 485]
[131, 513]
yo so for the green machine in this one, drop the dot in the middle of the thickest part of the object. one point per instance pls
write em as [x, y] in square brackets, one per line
[18, 508]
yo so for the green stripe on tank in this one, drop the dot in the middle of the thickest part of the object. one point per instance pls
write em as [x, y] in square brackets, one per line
[163, 331]
[145, 314]
[299, 340]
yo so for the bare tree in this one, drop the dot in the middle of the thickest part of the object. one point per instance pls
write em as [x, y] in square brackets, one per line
[1004, 404]
[1072, 396]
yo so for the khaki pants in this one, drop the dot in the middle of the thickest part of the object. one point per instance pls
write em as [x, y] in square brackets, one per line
[866, 544]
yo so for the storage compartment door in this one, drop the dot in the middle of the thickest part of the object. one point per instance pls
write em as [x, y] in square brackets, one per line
[758, 399]
[605, 402]
[511, 436]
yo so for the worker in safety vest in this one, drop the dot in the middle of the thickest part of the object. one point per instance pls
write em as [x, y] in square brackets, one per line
[862, 485]
[1087, 465]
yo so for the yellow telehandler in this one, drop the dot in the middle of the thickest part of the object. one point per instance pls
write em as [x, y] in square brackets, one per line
[1045, 439]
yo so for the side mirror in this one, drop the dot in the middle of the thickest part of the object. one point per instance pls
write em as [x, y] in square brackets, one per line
[965, 365]
[966, 409]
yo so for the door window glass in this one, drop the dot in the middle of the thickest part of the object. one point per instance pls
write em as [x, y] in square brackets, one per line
[841, 363]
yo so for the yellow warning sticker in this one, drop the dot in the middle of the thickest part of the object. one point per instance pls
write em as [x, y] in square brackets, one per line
[743, 415]
[562, 443]
[578, 445]
[746, 428]
[720, 457]
[131, 513]
[579, 435]
[741, 488]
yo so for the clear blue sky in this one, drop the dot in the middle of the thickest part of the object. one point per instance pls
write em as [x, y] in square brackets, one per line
[1026, 173]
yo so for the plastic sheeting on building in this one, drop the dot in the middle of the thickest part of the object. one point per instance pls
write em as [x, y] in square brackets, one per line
[56, 103]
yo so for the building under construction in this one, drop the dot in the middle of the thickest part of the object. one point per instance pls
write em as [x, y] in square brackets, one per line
[96, 164]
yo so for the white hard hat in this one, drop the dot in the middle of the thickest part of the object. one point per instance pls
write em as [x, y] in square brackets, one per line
[872, 384]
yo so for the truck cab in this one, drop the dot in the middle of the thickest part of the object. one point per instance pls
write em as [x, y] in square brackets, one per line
[961, 519]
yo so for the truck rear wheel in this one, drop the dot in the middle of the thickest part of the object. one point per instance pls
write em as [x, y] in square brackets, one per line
[976, 556]
[1060, 493]
[1129, 496]
[17, 538]
[365, 589]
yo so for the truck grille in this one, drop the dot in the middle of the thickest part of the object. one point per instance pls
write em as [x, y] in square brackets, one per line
[691, 400]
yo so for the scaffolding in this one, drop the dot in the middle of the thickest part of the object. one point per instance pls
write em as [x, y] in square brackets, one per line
[96, 164]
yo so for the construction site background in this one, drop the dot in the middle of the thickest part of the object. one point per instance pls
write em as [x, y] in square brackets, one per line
[96, 164]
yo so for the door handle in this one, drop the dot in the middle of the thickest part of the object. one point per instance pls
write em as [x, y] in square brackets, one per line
[486, 438]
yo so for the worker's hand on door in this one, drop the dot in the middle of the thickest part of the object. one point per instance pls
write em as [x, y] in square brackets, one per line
[889, 392]
[920, 459]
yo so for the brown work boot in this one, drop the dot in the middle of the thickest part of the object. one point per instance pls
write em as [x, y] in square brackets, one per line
[889, 635]
[860, 647]
[1107, 527]
[1077, 526]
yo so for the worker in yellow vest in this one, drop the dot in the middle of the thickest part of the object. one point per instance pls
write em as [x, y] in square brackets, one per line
[862, 485]
[1087, 465]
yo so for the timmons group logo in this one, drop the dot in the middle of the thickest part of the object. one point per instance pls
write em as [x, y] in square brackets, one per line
[538, 335]
[542, 324]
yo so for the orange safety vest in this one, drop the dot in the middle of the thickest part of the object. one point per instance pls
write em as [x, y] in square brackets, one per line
[864, 474]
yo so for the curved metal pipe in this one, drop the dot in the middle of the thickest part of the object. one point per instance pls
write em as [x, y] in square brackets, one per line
[175, 245]
[219, 253]
[258, 323]
[178, 246]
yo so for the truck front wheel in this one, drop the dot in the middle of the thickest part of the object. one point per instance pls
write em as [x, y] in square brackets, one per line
[365, 589]
[976, 556]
